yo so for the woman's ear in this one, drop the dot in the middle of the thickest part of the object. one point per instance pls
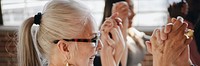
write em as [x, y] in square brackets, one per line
[63, 47]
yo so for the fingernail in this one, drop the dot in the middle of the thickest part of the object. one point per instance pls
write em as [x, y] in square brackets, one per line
[106, 18]
[113, 4]
[170, 24]
[180, 18]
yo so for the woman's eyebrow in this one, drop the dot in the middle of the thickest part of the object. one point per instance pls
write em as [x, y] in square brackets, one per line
[93, 34]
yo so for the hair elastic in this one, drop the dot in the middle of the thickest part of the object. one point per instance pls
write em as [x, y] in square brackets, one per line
[37, 18]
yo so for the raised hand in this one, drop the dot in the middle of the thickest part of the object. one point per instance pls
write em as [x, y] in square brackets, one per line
[170, 46]
[112, 40]
[122, 8]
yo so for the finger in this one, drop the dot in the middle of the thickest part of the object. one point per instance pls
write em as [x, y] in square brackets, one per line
[115, 34]
[114, 15]
[188, 41]
[173, 20]
[149, 47]
[120, 25]
[180, 41]
[153, 36]
[160, 48]
[107, 25]
[124, 9]
[182, 28]
[116, 7]
[110, 41]
[168, 28]
[120, 33]
[158, 37]
[180, 18]
[120, 5]
[177, 24]
[119, 22]
[163, 35]
[117, 19]
[124, 12]
[115, 23]
[103, 37]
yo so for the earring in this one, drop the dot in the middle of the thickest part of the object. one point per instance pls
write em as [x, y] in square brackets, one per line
[67, 64]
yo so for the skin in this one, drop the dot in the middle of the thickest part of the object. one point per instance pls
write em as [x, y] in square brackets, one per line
[126, 13]
[123, 9]
[110, 49]
[173, 49]
[76, 53]
[111, 52]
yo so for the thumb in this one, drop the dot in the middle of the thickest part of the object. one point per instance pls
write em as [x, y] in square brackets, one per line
[114, 15]
[149, 48]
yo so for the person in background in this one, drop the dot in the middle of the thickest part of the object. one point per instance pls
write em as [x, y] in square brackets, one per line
[135, 47]
[178, 9]
[66, 36]
[181, 9]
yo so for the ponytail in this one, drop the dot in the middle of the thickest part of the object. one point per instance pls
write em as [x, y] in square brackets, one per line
[27, 54]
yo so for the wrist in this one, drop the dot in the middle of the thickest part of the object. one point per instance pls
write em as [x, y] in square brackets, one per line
[107, 59]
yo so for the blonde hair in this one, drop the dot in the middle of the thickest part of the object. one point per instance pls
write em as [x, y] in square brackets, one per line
[60, 19]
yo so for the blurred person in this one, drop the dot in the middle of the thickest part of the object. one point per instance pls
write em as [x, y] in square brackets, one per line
[178, 9]
[135, 47]
[181, 9]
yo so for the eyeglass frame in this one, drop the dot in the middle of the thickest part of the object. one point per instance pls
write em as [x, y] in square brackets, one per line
[95, 39]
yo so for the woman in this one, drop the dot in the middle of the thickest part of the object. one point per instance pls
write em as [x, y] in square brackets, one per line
[181, 9]
[67, 36]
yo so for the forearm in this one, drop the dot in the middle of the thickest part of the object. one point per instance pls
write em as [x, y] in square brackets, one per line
[107, 58]
[124, 57]
[120, 55]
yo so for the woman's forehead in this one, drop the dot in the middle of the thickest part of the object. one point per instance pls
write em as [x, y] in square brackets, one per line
[87, 35]
[90, 29]
[92, 23]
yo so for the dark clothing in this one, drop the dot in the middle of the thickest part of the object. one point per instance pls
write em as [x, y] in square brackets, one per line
[97, 61]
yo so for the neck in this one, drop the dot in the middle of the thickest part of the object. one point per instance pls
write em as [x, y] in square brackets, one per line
[56, 61]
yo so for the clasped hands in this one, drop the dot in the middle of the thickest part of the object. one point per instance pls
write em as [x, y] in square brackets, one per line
[112, 41]
[169, 44]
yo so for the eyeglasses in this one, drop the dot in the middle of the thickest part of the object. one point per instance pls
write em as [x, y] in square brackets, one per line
[93, 40]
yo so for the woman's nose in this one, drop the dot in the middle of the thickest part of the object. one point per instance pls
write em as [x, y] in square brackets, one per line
[99, 46]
